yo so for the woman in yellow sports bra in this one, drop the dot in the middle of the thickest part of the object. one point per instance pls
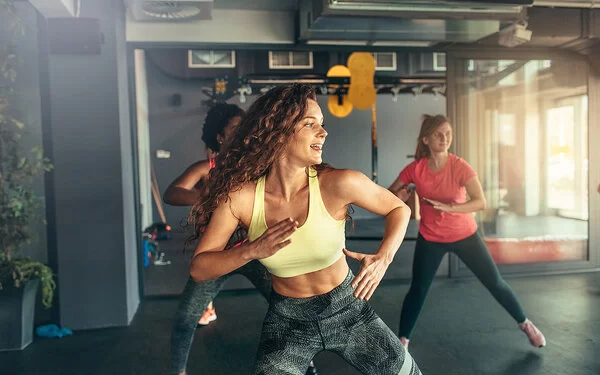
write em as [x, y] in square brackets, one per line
[271, 179]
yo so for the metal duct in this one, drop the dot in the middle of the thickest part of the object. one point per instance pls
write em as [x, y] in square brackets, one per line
[437, 9]
[386, 22]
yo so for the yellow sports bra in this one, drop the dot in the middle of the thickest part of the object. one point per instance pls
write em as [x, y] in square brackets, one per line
[316, 245]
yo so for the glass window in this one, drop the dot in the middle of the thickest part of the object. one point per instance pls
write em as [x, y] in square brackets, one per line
[385, 60]
[290, 60]
[301, 59]
[522, 125]
[439, 61]
[211, 59]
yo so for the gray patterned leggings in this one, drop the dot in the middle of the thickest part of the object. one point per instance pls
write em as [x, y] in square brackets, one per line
[296, 329]
[195, 299]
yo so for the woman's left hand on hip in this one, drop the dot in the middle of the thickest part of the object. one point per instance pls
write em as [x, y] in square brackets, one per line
[371, 272]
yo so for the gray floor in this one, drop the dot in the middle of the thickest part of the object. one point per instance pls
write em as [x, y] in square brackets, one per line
[169, 280]
[462, 331]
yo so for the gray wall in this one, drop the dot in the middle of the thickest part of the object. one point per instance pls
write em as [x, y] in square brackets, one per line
[175, 129]
[127, 171]
[93, 185]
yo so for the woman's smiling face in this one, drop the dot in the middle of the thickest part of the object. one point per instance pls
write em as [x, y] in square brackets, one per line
[309, 136]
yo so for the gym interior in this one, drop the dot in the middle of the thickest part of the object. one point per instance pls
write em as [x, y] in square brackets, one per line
[116, 92]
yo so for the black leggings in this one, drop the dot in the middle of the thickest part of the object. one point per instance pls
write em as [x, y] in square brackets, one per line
[473, 252]
[195, 299]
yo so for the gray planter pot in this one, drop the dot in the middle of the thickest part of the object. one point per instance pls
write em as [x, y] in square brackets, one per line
[17, 310]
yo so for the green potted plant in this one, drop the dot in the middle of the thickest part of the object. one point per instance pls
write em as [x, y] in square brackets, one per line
[19, 206]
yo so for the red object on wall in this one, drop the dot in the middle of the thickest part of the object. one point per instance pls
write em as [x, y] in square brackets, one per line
[515, 251]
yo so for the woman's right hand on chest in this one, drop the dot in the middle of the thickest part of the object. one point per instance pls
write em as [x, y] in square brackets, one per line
[272, 240]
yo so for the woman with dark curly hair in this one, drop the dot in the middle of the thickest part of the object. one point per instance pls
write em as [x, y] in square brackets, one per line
[218, 127]
[196, 305]
[271, 179]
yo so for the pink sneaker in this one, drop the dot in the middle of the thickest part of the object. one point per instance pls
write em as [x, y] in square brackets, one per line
[404, 342]
[536, 338]
[210, 315]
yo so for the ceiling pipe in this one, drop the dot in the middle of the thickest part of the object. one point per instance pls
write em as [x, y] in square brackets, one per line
[567, 4]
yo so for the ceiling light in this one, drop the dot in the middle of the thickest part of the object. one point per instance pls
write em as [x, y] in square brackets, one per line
[402, 43]
[338, 42]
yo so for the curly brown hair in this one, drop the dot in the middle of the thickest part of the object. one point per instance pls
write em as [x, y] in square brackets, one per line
[259, 140]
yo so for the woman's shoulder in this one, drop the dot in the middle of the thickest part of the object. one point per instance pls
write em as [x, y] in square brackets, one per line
[415, 163]
[336, 174]
[455, 157]
[337, 181]
[201, 166]
[414, 166]
[241, 201]
[244, 190]
[457, 160]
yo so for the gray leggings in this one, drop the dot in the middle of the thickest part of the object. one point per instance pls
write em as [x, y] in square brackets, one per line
[296, 329]
[195, 299]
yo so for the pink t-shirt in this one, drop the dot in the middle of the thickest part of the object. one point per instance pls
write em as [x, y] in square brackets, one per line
[446, 186]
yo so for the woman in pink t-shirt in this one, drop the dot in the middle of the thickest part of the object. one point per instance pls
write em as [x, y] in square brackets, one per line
[443, 181]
